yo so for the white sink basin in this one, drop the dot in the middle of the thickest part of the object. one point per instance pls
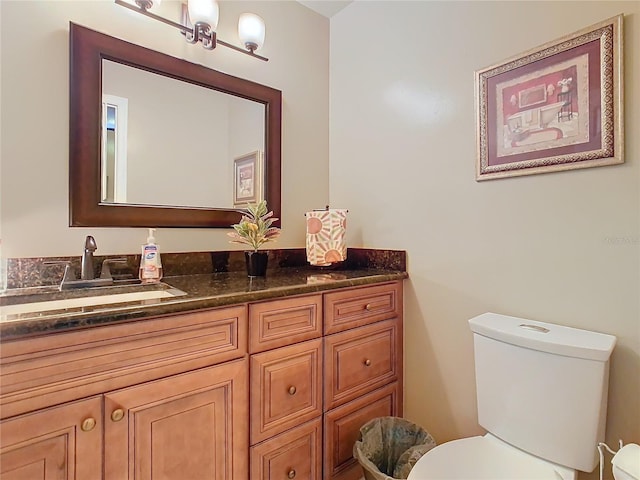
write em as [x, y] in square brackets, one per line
[145, 296]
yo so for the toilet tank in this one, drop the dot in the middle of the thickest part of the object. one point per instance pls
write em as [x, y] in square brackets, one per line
[543, 387]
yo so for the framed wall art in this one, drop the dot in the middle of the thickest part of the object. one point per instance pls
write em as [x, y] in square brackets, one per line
[556, 107]
[247, 179]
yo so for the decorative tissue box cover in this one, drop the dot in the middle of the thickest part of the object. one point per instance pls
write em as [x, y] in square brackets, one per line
[326, 236]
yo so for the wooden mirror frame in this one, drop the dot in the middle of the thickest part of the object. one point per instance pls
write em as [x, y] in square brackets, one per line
[87, 50]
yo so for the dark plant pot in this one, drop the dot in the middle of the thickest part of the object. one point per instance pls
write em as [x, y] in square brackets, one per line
[256, 263]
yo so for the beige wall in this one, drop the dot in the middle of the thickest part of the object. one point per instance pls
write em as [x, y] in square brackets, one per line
[560, 247]
[35, 103]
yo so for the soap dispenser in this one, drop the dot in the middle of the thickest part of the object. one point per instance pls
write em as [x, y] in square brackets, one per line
[150, 264]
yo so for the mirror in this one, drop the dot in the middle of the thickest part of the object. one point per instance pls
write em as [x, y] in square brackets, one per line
[121, 175]
[143, 137]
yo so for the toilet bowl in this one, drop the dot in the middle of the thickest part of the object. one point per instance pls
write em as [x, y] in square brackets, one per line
[486, 458]
[626, 463]
[541, 397]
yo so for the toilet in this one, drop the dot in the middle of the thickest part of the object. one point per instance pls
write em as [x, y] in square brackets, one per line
[541, 397]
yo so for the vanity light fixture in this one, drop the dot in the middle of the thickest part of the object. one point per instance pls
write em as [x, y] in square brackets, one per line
[199, 23]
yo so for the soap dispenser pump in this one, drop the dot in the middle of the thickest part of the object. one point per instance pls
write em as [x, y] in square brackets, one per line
[150, 264]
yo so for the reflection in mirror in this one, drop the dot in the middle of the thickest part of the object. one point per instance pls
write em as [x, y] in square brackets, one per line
[163, 120]
[114, 149]
[156, 146]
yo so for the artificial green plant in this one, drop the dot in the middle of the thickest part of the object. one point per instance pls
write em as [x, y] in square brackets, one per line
[255, 227]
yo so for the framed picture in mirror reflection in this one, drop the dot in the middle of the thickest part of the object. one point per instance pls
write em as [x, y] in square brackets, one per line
[247, 178]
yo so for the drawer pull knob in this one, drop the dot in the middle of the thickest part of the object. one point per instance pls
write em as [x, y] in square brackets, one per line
[88, 424]
[367, 362]
[292, 473]
[368, 307]
[292, 391]
[117, 415]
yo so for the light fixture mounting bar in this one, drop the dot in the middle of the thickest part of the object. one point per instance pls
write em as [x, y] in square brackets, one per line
[184, 29]
[239, 49]
[147, 13]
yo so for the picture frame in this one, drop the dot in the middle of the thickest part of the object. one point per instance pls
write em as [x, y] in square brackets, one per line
[247, 179]
[556, 107]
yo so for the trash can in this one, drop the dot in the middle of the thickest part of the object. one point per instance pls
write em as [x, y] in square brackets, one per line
[389, 447]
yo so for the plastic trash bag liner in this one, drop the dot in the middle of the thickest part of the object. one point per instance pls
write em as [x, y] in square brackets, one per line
[389, 447]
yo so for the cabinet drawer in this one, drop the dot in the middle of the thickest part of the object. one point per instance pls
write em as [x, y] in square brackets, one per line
[342, 429]
[361, 360]
[284, 322]
[286, 388]
[39, 372]
[296, 453]
[353, 308]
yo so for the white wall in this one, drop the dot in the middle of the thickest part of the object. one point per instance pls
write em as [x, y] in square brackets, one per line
[35, 104]
[560, 247]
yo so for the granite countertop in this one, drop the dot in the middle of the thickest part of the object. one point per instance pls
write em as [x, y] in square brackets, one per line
[198, 291]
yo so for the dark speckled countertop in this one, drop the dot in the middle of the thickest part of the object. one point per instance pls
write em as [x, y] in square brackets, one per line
[201, 291]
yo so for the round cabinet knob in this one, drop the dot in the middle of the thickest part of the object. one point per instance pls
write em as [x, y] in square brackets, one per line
[367, 362]
[88, 424]
[368, 307]
[117, 415]
[292, 391]
[292, 473]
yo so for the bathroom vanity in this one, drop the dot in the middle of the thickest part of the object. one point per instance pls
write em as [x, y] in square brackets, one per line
[272, 380]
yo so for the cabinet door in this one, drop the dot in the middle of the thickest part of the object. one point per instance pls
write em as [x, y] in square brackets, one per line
[58, 443]
[189, 426]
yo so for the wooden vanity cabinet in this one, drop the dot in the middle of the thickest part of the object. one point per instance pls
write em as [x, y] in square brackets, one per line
[363, 369]
[342, 353]
[174, 392]
[285, 342]
[276, 389]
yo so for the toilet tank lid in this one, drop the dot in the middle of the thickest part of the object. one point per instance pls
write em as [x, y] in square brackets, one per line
[545, 337]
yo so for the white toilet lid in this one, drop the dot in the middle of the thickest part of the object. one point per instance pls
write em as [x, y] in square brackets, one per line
[480, 458]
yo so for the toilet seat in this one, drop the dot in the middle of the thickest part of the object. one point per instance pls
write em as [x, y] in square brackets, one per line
[481, 458]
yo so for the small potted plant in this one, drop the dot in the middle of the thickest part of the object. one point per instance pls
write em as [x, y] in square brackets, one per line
[255, 230]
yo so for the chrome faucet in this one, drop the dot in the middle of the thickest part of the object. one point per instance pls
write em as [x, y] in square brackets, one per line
[87, 272]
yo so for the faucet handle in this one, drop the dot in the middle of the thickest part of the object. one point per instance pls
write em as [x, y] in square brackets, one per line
[105, 271]
[69, 271]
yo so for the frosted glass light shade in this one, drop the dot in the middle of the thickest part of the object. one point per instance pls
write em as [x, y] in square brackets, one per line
[205, 11]
[251, 30]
